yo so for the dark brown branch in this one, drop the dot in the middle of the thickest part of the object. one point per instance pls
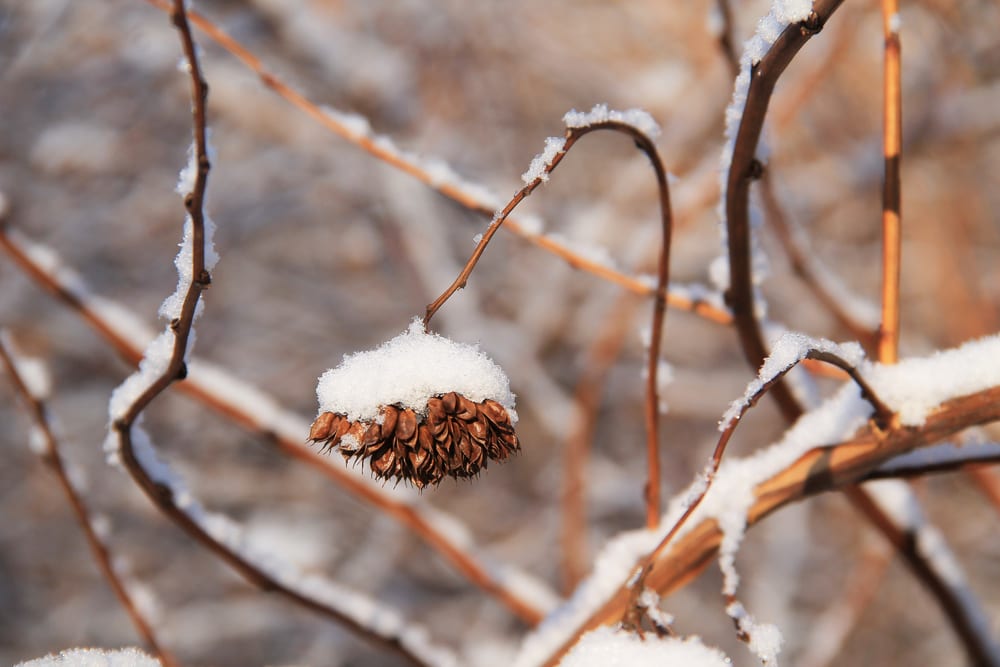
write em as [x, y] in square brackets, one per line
[651, 413]
[957, 613]
[743, 170]
[159, 493]
[819, 470]
[102, 556]
[409, 517]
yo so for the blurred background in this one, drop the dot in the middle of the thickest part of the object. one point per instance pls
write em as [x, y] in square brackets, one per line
[325, 250]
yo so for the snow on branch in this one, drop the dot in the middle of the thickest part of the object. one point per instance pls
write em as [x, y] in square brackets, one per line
[528, 597]
[744, 489]
[31, 380]
[607, 646]
[93, 657]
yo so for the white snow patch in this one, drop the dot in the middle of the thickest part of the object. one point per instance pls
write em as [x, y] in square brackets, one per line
[637, 118]
[916, 386]
[540, 165]
[895, 23]
[92, 657]
[408, 370]
[608, 647]
[764, 639]
[788, 350]
[782, 14]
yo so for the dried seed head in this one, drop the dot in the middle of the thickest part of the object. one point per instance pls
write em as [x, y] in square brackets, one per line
[453, 437]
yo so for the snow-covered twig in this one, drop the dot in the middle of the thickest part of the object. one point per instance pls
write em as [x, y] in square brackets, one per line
[641, 127]
[251, 408]
[164, 362]
[830, 448]
[439, 176]
[780, 36]
[47, 446]
[893, 506]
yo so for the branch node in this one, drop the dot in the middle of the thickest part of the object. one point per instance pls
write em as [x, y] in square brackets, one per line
[812, 25]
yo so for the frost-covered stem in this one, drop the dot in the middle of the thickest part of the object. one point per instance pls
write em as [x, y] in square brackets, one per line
[743, 169]
[162, 494]
[882, 418]
[576, 455]
[645, 144]
[492, 580]
[51, 457]
[377, 148]
[803, 266]
[892, 139]
[819, 470]
[979, 647]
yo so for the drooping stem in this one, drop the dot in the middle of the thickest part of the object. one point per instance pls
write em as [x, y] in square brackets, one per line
[651, 413]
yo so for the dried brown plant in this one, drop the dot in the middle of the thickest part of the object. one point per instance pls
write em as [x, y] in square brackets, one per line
[330, 245]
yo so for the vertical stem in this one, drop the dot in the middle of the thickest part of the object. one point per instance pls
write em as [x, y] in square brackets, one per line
[888, 342]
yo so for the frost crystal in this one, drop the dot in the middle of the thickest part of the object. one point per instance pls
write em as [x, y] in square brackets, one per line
[88, 657]
[637, 118]
[540, 165]
[408, 370]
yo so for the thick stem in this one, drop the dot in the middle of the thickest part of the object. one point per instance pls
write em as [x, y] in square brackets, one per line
[892, 139]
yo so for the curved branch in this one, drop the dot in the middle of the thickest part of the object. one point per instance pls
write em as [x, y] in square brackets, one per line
[651, 413]
[743, 170]
[819, 470]
[53, 459]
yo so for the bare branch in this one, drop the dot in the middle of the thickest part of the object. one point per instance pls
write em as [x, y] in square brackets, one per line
[743, 170]
[461, 192]
[888, 343]
[819, 470]
[645, 144]
[248, 407]
[53, 459]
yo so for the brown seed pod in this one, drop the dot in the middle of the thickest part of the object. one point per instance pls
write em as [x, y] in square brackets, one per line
[454, 437]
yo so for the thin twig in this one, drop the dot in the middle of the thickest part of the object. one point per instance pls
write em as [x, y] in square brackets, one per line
[645, 144]
[888, 344]
[956, 611]
[53, 459]
[452, 190]
[743, 169]
[818, 470]
[882, 417]
[492, 579]
[160, 494]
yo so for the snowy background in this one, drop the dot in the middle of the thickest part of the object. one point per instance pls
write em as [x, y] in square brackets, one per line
[325, 251]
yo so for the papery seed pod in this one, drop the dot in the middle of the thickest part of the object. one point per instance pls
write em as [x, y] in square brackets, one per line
[455, 437]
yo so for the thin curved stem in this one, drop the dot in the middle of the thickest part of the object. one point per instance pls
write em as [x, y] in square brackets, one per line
[743, 170]
[102, 555]
[651, 413]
